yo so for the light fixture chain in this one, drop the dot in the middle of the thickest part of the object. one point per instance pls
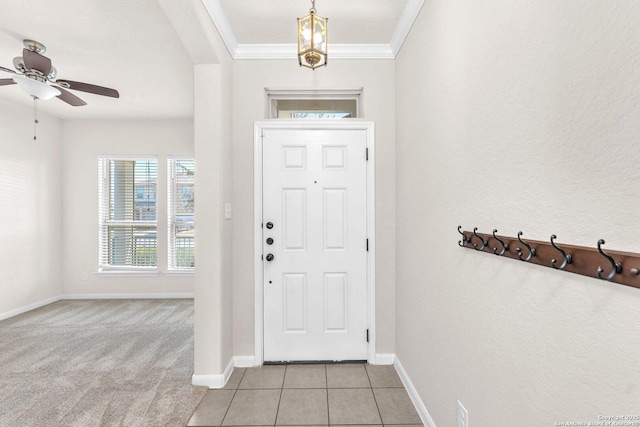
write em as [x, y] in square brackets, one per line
[35, 117]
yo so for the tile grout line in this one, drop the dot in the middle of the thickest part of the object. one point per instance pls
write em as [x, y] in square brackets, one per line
[374, 395]
[275, 422]
[234, 396]
[326, 383]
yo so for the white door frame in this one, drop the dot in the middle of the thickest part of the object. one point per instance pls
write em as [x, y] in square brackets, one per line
[257, 227]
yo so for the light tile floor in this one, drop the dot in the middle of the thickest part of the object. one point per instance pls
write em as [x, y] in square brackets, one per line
[309, 395]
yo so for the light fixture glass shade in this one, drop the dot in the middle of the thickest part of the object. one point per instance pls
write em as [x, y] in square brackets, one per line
[312, 40]
[35, 88]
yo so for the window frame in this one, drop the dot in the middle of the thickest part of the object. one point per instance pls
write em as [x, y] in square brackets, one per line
[105, 222]
[172, 215]
[272, 96]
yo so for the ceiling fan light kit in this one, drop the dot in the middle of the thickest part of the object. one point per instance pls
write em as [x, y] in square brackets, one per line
[35, 88]
[312, 39]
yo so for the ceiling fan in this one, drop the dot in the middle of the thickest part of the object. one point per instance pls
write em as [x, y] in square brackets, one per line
[37, 77]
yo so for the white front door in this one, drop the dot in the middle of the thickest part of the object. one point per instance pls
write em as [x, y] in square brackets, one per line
[314, 238]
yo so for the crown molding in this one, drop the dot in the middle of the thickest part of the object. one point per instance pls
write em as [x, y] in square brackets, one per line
[404, 25]
[222, 24]
[336, 51]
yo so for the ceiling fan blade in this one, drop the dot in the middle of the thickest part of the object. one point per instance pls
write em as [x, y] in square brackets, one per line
[35, 61]
[89, 88]
[70, 98]
[7, 70]
[5, 82]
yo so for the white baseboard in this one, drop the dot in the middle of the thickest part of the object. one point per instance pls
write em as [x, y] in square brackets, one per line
[219, 381]
[214, 381]
[244, 361]
[413, 394]
[20, 310]
[384, 359]
[130, 296]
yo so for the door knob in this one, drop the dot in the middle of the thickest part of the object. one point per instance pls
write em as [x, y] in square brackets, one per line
[269, 225]
[269, 241]
[270, 257]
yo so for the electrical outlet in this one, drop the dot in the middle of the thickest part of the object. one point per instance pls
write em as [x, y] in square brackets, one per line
[463, 416]
[85, 275]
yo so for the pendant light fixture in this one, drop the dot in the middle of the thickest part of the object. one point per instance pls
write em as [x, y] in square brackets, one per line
[312, 39]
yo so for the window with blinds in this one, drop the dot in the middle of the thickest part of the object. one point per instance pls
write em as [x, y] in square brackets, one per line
[181, 199]
[127, 210]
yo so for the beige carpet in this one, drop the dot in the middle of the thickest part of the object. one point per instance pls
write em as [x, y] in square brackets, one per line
[99, 363]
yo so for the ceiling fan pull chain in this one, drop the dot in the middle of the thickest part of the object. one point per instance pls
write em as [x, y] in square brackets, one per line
[35, 117]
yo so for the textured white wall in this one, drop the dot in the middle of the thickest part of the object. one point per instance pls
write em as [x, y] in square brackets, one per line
[30, 208]
[226, 116]
[518, 115]
[250, 79]
[84, 142]
[213, 286]
[209, 220]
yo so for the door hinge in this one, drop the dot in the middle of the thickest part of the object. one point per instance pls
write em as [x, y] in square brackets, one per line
[367, 153]
[367, 245]
[367, 335]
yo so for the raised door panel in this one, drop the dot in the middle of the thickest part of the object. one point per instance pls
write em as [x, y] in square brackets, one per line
[335, 302]
[294, 218]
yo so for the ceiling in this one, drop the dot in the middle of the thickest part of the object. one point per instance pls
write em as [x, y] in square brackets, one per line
[375, 19]
[133, 47]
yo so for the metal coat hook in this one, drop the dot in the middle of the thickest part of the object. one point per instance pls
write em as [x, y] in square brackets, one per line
[465, 240]
[615, 266]
[532, 251]
[584, 260]
[484, 242]
[566, 257]
[505, 247]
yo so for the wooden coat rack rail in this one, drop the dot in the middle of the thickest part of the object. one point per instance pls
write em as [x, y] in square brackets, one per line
[614, 266]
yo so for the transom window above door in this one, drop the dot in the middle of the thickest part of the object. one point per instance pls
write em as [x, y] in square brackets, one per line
[313, 104]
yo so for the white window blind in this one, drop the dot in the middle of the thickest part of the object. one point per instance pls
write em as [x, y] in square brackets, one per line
[181, 200]
[127, 209]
